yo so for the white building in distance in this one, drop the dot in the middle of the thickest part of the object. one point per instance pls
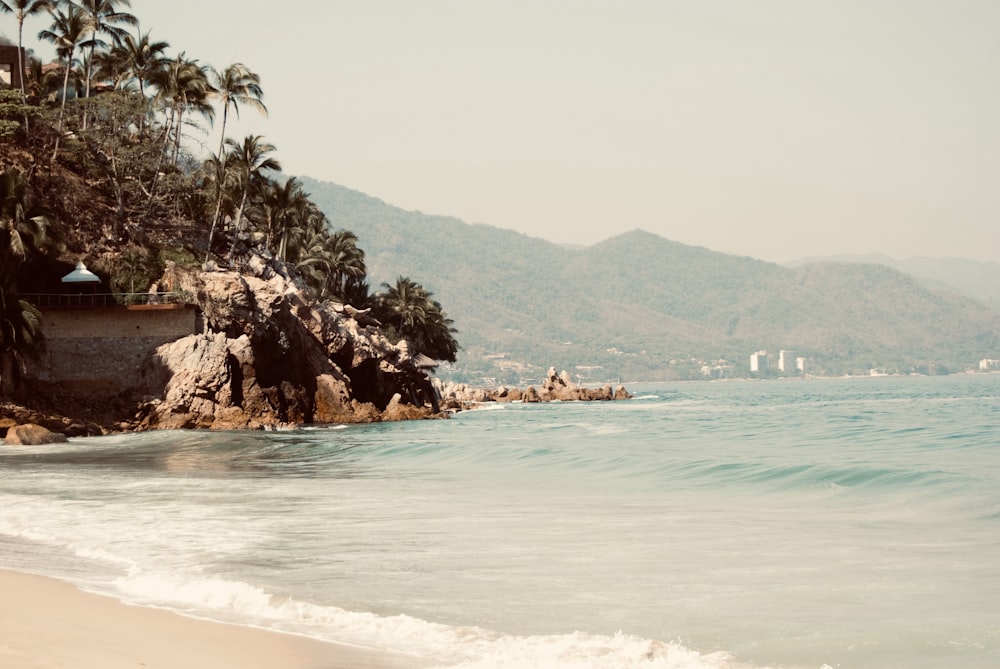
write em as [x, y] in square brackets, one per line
[759, 362]
[785, 361]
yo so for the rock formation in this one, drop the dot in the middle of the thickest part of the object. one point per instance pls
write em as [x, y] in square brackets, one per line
[556, 388]
[269, 356]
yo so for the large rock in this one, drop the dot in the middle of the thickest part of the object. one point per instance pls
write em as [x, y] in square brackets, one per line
[270, 356]
[30, 434]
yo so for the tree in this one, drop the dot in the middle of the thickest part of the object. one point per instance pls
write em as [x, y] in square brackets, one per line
[223, 182]
[20, 234]
[138, 58]
[182, 86]
[104, 17]
[23, 229]
[249, 160]
[20, 337]
[115, 146]
[69, 27]
[23, 9]
[14, 113]
[283, 207]
[234, 86]
[346, 261]
[407, 309]
[331, 263]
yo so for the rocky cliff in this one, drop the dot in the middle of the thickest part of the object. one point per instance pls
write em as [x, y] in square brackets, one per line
[269, 356]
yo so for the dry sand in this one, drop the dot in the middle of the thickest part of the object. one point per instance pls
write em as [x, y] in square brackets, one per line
[45, 623]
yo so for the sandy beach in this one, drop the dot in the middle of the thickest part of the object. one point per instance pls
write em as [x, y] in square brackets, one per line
[45, 623]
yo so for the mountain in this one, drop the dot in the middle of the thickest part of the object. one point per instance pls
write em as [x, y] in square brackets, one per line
[638, 306]
[977, 279]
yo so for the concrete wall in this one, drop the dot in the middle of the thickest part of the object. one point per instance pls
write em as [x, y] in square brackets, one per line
[8, 63]
[103, 349]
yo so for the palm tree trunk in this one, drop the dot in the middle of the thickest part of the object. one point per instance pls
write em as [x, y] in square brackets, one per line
[20, 70]
[90, 68]
[62, 109]
[218, 210]
[179, 128]
[225, 114]
[239, 221]
[159, 161]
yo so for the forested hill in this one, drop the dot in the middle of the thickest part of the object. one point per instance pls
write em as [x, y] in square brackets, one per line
[975, 278]
[638, 306]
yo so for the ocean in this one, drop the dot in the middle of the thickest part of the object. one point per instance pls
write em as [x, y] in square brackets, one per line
[807, 523]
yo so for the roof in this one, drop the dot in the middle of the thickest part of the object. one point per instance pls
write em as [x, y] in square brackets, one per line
[81, 275]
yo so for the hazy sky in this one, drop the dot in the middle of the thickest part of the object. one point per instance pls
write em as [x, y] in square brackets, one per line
[771, 128]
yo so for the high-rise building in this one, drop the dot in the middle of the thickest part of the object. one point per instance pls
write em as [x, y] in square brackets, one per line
[759, 362]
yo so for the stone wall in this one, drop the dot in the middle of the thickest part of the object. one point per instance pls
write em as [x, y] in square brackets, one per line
[103, 349]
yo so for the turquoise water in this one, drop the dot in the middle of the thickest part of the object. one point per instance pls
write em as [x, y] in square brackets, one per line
[841, 523]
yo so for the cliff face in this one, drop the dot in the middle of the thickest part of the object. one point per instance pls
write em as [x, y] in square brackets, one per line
[270, 357]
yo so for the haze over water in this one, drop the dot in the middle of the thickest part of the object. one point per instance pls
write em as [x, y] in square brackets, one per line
[846, 522]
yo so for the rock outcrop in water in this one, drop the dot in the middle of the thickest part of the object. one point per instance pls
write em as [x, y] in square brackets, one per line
[555, 388]
[269, 356]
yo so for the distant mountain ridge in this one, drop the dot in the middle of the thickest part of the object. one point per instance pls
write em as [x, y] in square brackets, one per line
[638, 306]
[975, 278]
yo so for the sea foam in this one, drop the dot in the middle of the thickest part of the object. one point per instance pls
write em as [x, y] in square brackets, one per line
[453, 647]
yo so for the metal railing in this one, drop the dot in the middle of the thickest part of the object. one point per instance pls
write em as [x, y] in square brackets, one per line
[74, 300]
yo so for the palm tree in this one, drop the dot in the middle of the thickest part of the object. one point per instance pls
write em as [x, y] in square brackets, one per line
[20, 233]
[69, 27]
[224, 182]
[22, 229]
[104, 17]
[236, 85]
[347, 262]
[332, 264]
[404, 303]
[407, 308]
[139, 58]
[20, 337]
[284, 206]
[23, 9]
[182, 86]
[249, 160]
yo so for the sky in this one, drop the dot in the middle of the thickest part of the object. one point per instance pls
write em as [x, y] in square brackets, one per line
[777, 129]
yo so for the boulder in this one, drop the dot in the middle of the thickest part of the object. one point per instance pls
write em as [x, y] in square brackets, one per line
[398, 411]
[31, 434]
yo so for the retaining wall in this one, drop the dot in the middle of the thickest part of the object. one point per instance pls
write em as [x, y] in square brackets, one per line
[104, 348]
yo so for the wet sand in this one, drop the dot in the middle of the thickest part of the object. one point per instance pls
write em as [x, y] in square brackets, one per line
[45, 623]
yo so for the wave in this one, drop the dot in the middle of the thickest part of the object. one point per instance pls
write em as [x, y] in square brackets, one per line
[448, 646]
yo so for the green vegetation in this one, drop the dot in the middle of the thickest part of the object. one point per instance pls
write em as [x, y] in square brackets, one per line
[408, 309]
[96, 154]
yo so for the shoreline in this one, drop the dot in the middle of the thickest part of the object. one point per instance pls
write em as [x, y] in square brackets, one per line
[51, 623]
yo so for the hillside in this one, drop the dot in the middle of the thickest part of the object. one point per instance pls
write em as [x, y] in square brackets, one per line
[638, 306]
[977, 279]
